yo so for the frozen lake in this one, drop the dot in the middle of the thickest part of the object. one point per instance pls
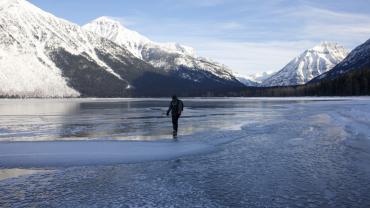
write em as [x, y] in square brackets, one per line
[232, 152]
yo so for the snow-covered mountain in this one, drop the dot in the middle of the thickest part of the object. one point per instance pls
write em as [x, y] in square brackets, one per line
[168, 56]
[260, 76]
[45, 56]
[25, 68]
[247, 82]
[254, 80]
[112, 29]
[356, 60]
[308, 65]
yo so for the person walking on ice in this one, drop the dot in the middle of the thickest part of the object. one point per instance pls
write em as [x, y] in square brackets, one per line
[176, 108]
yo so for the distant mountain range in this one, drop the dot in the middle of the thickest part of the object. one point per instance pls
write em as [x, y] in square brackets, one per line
[178, 61]
[350, 77]
[254, 80]
[247, 82]
[302, 69]
[45, 56]
[325, 70]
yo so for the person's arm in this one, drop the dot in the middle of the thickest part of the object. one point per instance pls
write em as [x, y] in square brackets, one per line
[169, 109]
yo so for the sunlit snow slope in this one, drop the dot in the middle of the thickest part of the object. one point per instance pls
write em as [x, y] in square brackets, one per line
[45, 56]
[310, 64]
[169, 56]
[358, 59]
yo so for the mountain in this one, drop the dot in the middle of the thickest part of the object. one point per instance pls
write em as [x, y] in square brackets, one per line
[173, 58]
[358, 59]
[261, 76]
[247, 82]
[254, 80]
[45, 56]
[136, 43]
[308, 65]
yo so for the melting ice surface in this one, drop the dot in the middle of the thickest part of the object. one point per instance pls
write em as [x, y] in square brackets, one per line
[115, 119]
[231, 153]
[39, 133]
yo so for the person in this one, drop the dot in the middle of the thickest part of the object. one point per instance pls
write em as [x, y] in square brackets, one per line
[176, 108]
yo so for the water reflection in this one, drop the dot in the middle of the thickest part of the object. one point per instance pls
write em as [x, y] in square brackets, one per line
[27, 120]
[125, 119]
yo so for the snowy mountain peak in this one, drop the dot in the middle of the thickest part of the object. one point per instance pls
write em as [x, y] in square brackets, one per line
[42, 55]
[356, 60]
[254, 80]
[259, 77]
[107, 20]
[31, 42]
[115, 31]
[308, 65]
[112, 29]
[329, 47]
[171, 57]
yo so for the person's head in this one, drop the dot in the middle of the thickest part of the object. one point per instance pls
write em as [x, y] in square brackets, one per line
[174, 97]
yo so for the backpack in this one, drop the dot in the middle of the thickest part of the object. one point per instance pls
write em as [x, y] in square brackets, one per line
[181, 107]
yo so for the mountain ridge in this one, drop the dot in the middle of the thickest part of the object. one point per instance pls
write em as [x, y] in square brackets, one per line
[113, 30]
[358, 58]
[42, 55]
[169, 56]
[308, 65]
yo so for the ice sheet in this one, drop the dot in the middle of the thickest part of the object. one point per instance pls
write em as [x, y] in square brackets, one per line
[41, 154]
[286, 154]
[78, 153]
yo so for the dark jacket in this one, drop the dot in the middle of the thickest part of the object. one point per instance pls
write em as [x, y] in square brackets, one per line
[176, 107]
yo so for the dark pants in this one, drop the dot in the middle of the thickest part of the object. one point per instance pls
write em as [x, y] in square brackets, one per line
[175, 122]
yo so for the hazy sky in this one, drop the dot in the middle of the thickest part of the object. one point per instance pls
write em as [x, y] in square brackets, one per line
[247, 35]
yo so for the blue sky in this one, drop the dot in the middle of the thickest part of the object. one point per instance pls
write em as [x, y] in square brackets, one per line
[247, 35]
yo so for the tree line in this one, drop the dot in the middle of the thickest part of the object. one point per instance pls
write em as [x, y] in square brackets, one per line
[355, 83]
